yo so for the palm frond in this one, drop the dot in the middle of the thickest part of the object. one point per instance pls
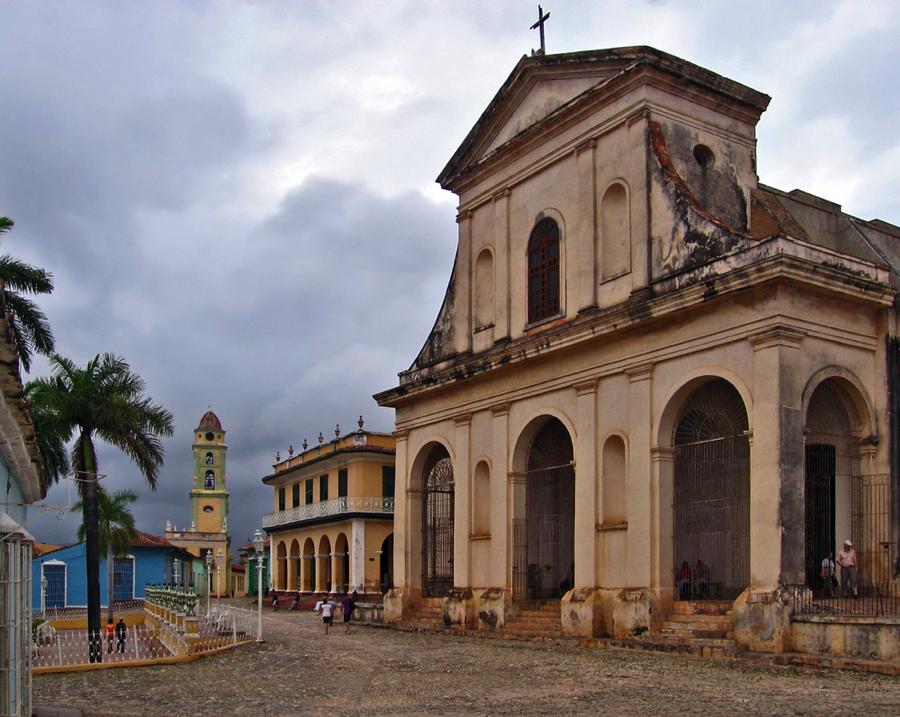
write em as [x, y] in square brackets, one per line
[21, 276]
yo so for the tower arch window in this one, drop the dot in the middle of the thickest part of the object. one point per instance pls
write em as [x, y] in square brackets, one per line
[209, 459]
[543, 271]
[209, 480]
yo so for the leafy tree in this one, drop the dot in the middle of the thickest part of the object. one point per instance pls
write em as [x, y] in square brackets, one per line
[116, 531]
[28, 323]
[103, 400]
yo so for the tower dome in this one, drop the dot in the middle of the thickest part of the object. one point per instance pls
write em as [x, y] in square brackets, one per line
[210, 422]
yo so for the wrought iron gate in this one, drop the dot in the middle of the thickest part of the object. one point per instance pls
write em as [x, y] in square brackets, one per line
[712, 495]
[437, 526]
[821, 465]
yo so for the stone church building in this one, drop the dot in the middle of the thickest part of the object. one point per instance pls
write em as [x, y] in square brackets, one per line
[653, 379]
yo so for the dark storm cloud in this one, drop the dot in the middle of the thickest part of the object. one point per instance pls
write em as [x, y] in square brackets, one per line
[235, 197]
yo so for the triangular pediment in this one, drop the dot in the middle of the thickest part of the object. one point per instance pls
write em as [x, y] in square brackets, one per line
[544, 86]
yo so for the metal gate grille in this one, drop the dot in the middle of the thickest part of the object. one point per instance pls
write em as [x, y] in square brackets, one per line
[820, 516]
[437, 526]
[712, 495]
[550, 512]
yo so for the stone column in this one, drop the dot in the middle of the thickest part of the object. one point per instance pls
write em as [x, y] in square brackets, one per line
[501, 266]
[500, 518]
[661, 528]
[357, 575]
[335, 570]
[461, 507]
[272, 572]
[777, 491]
[639, 476]
[586, 485]
[304, 572]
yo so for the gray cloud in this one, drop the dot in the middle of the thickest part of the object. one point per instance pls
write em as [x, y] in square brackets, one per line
[238, 199]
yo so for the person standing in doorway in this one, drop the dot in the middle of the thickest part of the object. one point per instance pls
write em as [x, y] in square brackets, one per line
[121, 632]
[828, 576]
[847, 560]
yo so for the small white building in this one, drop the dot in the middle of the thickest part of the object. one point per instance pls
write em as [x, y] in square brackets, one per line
[21, 483]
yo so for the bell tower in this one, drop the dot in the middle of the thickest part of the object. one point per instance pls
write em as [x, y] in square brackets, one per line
[209, 496]
[208, 532]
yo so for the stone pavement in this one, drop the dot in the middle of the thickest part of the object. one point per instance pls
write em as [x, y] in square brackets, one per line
[300, 671]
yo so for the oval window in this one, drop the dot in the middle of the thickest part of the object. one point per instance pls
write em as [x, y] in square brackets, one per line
[209, 435]
[208, 509]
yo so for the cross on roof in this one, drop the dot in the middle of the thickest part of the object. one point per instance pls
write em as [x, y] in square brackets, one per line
[542, 18]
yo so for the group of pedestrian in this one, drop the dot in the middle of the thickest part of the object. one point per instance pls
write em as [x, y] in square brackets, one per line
[118, 631]
[846, 559]
[326, 607]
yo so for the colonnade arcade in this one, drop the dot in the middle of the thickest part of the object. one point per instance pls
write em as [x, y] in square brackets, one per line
[704, 526]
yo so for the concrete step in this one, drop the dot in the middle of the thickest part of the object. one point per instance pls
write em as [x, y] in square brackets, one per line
[687, 640]
[700, 648]
[692, 617]
[702, 607]
[703, 626]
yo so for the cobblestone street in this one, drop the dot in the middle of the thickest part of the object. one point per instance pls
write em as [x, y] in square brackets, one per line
[298, 670]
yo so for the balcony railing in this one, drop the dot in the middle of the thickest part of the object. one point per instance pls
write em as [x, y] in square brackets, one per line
[327, 508]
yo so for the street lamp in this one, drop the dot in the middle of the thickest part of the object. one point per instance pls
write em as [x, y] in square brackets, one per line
[259, 540]
[43, 595]
[176, 572]
[209, 559]
[220, 554]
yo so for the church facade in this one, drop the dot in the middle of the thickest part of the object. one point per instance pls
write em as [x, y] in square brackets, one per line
[653, 378]
[208, 531]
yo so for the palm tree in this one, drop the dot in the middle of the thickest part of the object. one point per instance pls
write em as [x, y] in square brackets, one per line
[102, 400]
[29, 325]
[117, 531]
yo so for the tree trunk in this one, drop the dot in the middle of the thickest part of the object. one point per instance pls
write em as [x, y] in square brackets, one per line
[109, 579]
[92, 549]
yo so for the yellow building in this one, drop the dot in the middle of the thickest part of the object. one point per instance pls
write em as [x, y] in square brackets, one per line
[332, 523]
[209, 508]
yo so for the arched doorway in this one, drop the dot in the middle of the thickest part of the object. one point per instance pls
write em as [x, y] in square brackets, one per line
[549, 513]
[342, 552]
[309, 561]
[386, 564]
[831, 480]
[324, 571]
[437, 524]
[294, 566]
[281, 567]
[712, 494]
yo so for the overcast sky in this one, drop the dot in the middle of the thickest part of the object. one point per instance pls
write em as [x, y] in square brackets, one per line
[239, 198]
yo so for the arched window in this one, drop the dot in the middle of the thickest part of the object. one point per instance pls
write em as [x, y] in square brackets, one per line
[209, 459]
[615, 233]
[484, 289]
[437, 524]
[209, 481]
[543, 271]
[614, 485]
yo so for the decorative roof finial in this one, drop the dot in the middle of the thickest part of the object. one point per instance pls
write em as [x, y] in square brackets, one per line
[321, 438]
[305, 444]
[360, 423]
[277, 457]
[337, 430]
[291, 449]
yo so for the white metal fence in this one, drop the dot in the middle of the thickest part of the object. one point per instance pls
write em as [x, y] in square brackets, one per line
[15, 626]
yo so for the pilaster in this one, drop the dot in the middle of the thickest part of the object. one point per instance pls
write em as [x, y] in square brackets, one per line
[358, 554]
[586, 485]
[501, 516]
[777, 492]
[639, 476]
[461, 492]
[501, 265]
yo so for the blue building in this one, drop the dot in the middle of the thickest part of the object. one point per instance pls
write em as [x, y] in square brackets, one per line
[151, 559]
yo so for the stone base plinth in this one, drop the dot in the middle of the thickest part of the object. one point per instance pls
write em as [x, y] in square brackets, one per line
[581, 611]
[492, 608]
[399, 602]
[762, 621]
[459, 609]
[626, 612]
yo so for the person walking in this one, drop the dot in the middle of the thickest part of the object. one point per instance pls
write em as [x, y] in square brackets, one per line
[110, 632]
[121, 632]
[348, 605]
[847, 560]
[328, 608]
